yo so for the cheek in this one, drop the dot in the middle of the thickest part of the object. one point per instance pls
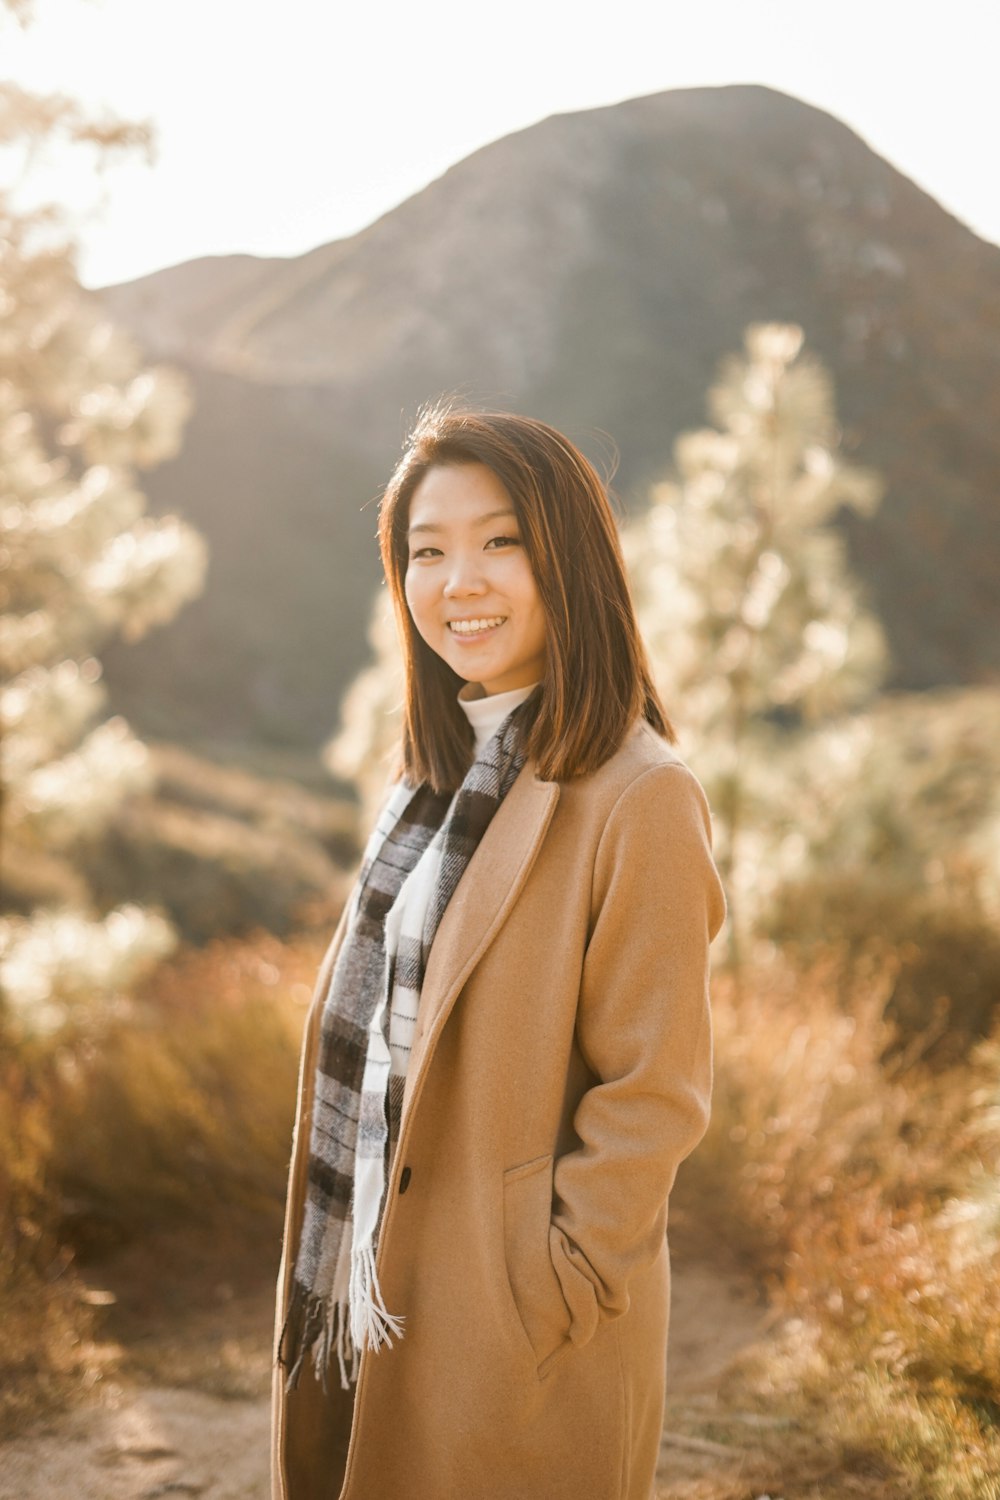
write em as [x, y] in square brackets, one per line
[533, 602]
[541, 631]
[416, 595]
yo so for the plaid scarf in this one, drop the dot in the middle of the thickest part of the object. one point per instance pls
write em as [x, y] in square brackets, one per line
[335, 1301]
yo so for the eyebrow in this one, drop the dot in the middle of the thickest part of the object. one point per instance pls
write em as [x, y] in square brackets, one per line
[491, 515]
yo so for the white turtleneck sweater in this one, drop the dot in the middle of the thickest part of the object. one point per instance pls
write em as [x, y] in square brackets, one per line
[485, 712]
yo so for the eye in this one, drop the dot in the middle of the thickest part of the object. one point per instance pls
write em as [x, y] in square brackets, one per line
[512, 541]
[422, 551]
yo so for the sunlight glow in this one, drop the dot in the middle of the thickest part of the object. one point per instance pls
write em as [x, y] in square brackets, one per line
[278, 130]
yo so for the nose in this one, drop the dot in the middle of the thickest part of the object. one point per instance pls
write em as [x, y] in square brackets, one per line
[464, 577]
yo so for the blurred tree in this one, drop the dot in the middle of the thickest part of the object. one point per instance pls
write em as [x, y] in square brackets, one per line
[79, 561]
[742, 587]
[370, 718]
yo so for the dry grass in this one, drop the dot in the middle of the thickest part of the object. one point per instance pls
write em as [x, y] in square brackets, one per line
[175, 1114]
[866, 1195]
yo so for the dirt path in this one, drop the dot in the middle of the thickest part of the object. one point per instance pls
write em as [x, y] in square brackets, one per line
[138, 1438]
[137, 1441]
[144, 1442]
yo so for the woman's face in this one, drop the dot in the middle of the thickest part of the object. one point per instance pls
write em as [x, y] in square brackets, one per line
[469, 586]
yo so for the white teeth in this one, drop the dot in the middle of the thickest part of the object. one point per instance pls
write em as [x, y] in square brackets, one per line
[469, 627]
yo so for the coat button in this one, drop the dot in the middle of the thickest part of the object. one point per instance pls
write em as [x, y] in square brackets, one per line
[404, 1179]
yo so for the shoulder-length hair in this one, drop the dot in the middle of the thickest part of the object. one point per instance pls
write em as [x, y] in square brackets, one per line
[597, 679]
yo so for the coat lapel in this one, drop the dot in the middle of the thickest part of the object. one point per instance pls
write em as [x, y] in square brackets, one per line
[481, 904]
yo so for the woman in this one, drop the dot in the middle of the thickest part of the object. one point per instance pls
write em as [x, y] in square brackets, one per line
[509, 1050]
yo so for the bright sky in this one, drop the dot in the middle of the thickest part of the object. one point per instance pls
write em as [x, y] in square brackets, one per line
[282, 124]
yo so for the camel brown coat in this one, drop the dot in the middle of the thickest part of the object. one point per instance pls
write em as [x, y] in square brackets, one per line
[561, 1071]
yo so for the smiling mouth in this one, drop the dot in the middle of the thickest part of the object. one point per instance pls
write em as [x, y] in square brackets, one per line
[467, 628]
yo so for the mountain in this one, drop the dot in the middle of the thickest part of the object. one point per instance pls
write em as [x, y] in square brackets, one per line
[591, 270]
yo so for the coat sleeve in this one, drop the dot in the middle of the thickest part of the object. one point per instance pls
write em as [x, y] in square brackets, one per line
[644, 1028]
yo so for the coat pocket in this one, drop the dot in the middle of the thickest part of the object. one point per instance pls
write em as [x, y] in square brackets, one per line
[534, 1284]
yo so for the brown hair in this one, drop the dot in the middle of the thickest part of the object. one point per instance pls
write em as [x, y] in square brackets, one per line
[597, 679]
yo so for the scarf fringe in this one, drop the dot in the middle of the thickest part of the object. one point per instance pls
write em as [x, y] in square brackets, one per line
[320, 1328]
[337, 1335]
[315, 1327]
[371, 1320]
[301, 1326]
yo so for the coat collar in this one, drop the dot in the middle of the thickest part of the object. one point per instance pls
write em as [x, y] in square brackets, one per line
[481, 904]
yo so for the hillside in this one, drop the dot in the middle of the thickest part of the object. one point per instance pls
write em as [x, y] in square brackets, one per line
[592, 270]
